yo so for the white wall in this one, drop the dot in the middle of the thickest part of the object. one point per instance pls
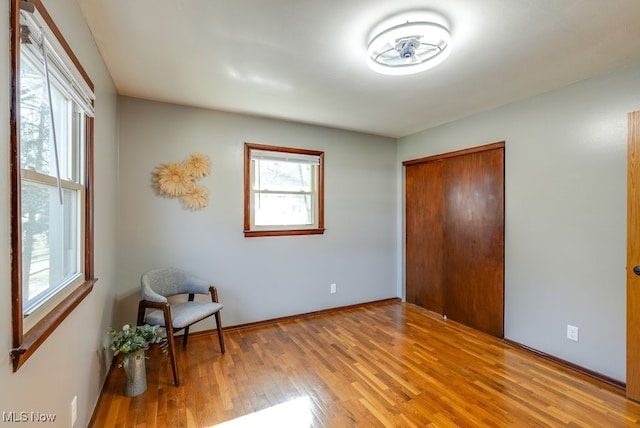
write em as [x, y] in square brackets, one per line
[70, 362]
[257, 278]
[565, 237]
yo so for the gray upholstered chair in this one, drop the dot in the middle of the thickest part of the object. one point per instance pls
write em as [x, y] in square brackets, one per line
[177, 313]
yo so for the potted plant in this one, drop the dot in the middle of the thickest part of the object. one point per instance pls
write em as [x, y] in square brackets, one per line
[129, 344]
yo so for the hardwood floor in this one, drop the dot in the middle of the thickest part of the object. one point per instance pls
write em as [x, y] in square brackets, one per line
[385, 364]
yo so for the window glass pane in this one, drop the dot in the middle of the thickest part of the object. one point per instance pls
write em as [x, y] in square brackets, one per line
[283, 209]
[282, 176]
[35, 125]
[62, 116]
[36, 130]
[50, 241]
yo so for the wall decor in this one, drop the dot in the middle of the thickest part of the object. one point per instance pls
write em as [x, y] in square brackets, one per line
[178, 180]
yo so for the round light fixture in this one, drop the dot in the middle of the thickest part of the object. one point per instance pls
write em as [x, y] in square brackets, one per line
[409, 48]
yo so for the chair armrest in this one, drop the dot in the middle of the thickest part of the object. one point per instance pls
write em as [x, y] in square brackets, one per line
[155, 305]
[148, 304]
[214, 293]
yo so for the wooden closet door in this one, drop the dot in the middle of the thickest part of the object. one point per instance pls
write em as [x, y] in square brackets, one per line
[454, 256]
[424, 235]
[474, 240]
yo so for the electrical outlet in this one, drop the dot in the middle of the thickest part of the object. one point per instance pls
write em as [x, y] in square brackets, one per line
[74, 410]
[572, 332]
[333, 289]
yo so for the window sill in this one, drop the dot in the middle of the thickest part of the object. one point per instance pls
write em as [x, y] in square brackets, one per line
[32, 339]
[289, 232]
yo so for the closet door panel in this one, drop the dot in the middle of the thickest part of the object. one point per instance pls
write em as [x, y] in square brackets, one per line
[473, 279]
[424, 235]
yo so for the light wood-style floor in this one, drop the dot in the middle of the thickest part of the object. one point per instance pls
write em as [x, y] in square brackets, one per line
[386, 364]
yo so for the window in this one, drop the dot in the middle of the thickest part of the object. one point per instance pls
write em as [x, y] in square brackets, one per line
[51, 170]
[283, 191]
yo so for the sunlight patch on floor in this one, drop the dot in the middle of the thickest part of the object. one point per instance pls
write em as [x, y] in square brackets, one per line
[290, 414]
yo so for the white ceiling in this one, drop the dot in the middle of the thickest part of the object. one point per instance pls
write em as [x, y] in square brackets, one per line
[305, 60]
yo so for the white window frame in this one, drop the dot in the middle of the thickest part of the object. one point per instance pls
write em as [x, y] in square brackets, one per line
[253, 154]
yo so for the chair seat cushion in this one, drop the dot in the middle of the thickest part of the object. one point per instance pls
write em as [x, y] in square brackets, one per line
[184, 314]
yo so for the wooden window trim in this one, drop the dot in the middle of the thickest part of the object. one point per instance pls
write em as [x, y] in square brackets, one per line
[248, 233]
[25, 343]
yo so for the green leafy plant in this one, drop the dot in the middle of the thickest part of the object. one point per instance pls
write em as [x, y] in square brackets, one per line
[131, 339]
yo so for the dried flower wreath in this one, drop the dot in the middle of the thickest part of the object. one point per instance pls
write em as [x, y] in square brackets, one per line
[177, 180]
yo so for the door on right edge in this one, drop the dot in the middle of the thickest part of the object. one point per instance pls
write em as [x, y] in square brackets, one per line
[633, 257]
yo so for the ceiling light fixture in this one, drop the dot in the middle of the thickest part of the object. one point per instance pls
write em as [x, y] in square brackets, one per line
[409, 48]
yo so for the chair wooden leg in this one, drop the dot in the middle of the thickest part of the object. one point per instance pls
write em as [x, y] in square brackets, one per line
[185, 337]
[141, 313]
[219, 328]
[172, 356]
[170, 339]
